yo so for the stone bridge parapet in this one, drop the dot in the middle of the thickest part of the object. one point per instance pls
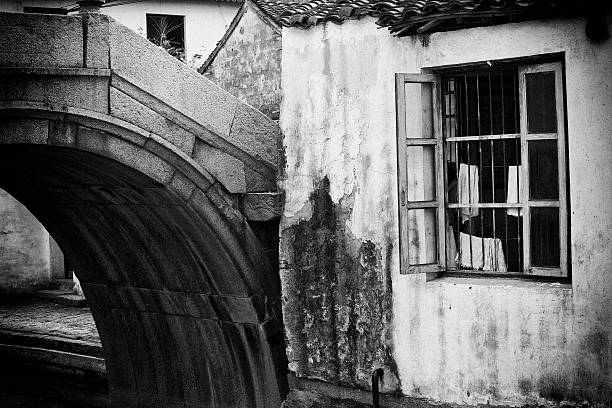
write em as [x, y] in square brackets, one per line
[88, 65]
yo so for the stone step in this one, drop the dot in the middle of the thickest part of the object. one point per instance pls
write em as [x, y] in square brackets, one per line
[36, 367]
[55, 357]
[51, 342]
[63, 284]
[62, 297]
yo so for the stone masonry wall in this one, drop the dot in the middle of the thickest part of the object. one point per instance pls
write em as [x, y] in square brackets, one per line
[248, 64]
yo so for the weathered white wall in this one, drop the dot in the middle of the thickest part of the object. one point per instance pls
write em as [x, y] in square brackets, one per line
[205, 21]
[24, 248]
[459, 340]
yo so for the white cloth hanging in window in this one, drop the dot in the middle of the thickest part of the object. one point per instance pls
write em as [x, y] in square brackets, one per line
[514, 183]
[467, 190]
[481, 253]
[451, 248]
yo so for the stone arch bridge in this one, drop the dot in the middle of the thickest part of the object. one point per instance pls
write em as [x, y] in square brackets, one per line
[156, 183]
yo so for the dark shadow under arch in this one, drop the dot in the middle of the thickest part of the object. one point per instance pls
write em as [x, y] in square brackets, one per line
[187, 308]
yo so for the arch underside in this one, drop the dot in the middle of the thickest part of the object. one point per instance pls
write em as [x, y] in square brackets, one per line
[186, 305]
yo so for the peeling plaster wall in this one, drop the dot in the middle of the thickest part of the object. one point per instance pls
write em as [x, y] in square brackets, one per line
[337, 296]
[336, 263]
[24, 248]
[248, 64]
[457, 340]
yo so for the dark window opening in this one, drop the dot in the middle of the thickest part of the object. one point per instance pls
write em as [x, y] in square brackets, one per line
[46, 10]
[167, 32]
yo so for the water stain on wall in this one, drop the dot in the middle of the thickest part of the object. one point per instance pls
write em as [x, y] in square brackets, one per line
[584, 380]
[525, 386]
[338, 299]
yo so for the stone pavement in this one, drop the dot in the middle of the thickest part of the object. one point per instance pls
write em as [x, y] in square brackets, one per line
[51, 355]
[39, 316]
[11, 400]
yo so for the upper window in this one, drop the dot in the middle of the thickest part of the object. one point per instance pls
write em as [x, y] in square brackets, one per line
[168, 32]
[482, 171]
[46, 10]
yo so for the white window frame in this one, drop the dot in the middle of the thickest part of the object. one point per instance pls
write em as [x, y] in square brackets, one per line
[441, 202]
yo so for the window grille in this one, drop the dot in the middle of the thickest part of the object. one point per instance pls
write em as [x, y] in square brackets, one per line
[500, 178]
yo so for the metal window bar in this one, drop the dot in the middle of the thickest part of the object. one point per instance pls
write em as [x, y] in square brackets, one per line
[457, 236]
[505, 182]
[518, 178]
[480, 165]
[469, 159]
[449, 115]
[492, 163]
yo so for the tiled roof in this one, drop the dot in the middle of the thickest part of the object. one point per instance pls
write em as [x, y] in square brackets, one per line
[313, 12]
[406, 17]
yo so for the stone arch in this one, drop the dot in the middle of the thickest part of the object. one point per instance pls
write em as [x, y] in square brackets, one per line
[187, 306]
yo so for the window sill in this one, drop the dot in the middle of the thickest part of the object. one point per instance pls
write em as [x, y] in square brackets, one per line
[532, 283]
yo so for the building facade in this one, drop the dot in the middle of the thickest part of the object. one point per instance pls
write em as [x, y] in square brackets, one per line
[445, 214]
[446, 191]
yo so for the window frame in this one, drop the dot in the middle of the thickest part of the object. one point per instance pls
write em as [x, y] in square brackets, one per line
[523, 67]
[526, 137]
[403, 142]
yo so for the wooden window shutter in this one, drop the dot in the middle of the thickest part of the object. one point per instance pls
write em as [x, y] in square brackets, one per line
[420, 173]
